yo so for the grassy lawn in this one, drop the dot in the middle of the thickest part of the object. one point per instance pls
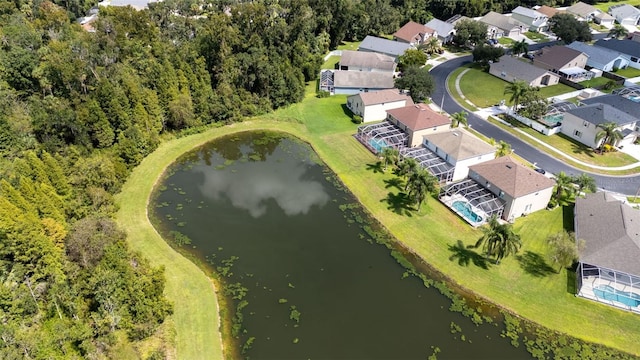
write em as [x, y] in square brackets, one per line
[524, 284]
[508, 42]
[349, 45]
[629, 72]
[599, 81]
[604, 6]
[574, 149]
[451, 84]
[491, 90]
[536, 36]
[331, 62]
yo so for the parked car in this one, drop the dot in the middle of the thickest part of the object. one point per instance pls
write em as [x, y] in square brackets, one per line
[492, 42]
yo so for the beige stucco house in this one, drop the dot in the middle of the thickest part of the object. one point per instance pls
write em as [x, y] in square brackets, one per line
[460, 149]
[522, 189]
[373, 106]
[417, 121]
[582, 124]
[510, 69]
[562, 60]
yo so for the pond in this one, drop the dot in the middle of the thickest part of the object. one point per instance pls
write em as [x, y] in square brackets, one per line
[288, 240]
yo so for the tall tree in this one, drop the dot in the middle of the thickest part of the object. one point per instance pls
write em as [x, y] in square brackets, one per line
[459, 118]
[608, 134]
[498, 240]
[389, 156]
[484, 54]
[585, 183]
[418, 81]
[517, 89]
[564, 189]
[421, 183]
[618, 31]
[411, 57]
[520, 47]
[503, 149]
[564, 248]
[568, 29]
[406, 167]
[470, 32]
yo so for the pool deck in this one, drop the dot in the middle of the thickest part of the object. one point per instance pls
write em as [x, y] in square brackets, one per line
[449, 200]
[589, 283]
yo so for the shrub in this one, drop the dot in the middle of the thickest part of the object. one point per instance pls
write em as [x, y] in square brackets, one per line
[357, 119]
[323, 94]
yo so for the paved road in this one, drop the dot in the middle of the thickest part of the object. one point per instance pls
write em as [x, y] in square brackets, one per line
[623, 184]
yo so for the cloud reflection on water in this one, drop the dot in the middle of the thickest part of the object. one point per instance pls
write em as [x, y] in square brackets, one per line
[249, 185]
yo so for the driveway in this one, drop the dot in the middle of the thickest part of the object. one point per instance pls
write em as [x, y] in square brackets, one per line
[623, 184]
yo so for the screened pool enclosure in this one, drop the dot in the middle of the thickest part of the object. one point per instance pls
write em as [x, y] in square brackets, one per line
[612, 287]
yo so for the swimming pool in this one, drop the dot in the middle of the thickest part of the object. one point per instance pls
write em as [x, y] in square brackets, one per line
[465, 209]
[607, 292]
[634, 98]
[552, 120]
[378, 145]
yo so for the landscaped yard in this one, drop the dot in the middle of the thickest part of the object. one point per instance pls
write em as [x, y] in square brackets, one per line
[484, 89]
[508, 42]
[331, 62]
[599, 81]
[536, 36]
[349, 45]
[628, 72]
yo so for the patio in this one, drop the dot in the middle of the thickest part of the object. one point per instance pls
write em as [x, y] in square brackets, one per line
[474, 203]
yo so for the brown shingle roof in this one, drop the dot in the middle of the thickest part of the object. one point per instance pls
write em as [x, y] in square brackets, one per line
[419, 117]
[611, 231]
[384, 96]
[548, 10]
[412, 31]
[514, 179]
[555, 57]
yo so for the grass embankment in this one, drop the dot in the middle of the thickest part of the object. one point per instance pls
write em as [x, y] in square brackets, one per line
[524, 285]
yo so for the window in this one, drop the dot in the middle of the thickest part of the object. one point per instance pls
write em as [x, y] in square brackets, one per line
[501, 195]
[634, 59]
[585, 123]
[577, 133]
[503, 74]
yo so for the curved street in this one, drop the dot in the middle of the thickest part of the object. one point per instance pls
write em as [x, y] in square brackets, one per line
[628, 185]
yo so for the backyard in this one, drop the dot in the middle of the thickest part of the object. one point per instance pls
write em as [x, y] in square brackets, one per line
[604, 6]
[628, 72]
[492, 89]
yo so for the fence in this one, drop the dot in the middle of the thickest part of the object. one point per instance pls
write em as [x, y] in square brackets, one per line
[539, 127]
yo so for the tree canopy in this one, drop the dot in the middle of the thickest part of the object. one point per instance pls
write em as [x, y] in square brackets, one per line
[568, 29]
[418, 81]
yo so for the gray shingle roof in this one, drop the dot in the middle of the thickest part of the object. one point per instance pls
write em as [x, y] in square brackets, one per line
[459, 144]
[530, 13]
[628, 47]
[502, 22]
[597, 55]
[621, 103]
[384, 46]
[581, 9]
[601, 113]
[611, 231]
[441, 27]
[519, 69]
[555, 57]
[367, 60]
[360, 79]
[624, 11]
[384, 96]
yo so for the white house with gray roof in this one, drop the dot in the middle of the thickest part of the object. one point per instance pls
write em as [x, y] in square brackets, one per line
[366, 61]
[445, 30]
[353, 82]
[582, 124]
[460, 149]
[510, 69]
[630, 49]
[384, 46]
[582, 11]
[609, 264]
[535, 20]
[499, 25]
[601, 58]
[625, 14]
[373, 105]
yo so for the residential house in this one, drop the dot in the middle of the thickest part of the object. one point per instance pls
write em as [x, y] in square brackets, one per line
[547, 10]
[604, 19]
[373, 105]
[445, 30]
[536, 21]
[619, 102]
[460, 149]
[601, 58]
[418, 120]
[625, 14]
[582, 11]
[353, 82]
[510, 69]
[629, 49]
[608, 268]
[582, 124]
[366, 61]
[136, 4]
[499, 25]
[522, 189]
[566, 62]
[414, 33]
[383, 46]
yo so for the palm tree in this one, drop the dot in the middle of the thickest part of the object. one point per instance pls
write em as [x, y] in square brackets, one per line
[459, 118]
[421, 183]
[564, 185]
[608, 133]
[517, 89]
[431, 46]
[498, 240]
[504, 149]
[618, 31]
[407, 167]
[585, 182]
[520, 48]
[390, 156]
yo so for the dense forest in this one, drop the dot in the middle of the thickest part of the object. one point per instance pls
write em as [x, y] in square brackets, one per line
[79, 109]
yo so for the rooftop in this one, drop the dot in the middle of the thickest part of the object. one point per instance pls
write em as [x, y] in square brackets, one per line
[500, 21]
[367, 59]
[626, 46]
[459, 144]
[509, 176]
[412, 31]
[527, 12]
[601, 113]
[443, 28]
[623, 11]
[581, 9]
[384, 96]
[359, 79]
[619, 102]
[384, 46]
[519, 69]
[596, 54]
[611, 231]
[548, 10]
[557, 56]
[419, 117]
